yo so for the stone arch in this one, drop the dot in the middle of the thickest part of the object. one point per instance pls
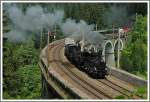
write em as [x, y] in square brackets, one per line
[116, 48]
[121, 44]
[108, 53]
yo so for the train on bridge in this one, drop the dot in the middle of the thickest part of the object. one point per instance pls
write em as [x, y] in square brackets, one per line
[86, 57]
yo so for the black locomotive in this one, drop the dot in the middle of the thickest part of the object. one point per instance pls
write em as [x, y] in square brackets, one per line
[91, 63]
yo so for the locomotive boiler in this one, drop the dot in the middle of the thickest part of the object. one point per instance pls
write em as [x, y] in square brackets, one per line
[86, 57]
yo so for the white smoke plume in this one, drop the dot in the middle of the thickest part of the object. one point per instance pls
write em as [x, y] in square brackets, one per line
[33, 20]
[81, 31]
[16, 35]
[35, 17]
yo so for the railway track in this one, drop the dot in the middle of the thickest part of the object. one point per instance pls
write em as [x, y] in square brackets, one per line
[65, 70]
[98, 93]
[97, 89]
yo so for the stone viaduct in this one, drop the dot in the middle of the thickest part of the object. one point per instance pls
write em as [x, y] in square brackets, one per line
[110, 47]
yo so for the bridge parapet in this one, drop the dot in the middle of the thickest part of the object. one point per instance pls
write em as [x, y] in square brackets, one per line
[128, 77]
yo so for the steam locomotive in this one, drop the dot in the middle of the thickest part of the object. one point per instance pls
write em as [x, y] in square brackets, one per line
[86, 58]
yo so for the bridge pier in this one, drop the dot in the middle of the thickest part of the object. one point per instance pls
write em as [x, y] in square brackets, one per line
[47, 91]
[108, 53]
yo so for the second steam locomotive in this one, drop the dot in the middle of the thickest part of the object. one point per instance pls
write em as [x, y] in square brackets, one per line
[86, 57]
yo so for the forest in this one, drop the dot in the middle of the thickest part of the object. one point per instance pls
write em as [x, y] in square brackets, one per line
[21, 73]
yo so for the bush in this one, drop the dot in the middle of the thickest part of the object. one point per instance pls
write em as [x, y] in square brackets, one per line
[119, 97]
[21, 75]
[30, 87]
[134, 55]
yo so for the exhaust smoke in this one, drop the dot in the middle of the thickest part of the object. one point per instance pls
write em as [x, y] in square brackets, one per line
[31, 20]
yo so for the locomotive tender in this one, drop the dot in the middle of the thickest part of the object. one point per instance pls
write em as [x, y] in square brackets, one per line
[86, 57]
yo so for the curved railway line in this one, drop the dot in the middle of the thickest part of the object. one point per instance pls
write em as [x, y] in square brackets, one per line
[107, 88]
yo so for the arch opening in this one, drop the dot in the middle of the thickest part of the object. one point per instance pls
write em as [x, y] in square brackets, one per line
[120, 43]
[109, 54]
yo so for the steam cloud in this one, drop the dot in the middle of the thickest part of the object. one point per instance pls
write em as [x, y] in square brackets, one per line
[16, 35]
[32, 20]
[81, 31]
[35, 18]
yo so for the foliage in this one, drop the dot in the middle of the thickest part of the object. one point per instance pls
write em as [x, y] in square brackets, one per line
[21, 75]
[141, 91]
[120, 97]
[30, 86]
[26, 54]
[26, 84]
[134, 56]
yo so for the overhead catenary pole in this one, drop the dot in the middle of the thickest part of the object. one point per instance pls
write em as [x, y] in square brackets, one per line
[48, 37]
[113, 30]
[136, 17]
[96, 27]
[55, 32]
[118, 58]
[41, 38]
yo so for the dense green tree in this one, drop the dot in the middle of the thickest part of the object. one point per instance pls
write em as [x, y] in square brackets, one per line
[134, 56]
[20, 71]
